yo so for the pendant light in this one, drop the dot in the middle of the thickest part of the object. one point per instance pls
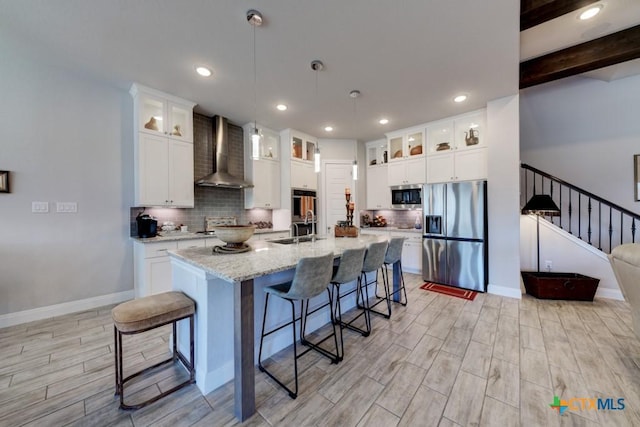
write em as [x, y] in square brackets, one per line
[355, 94]
[316, 66]
[255, 19]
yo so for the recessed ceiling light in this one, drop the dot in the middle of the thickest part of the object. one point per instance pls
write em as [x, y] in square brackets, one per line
[590, 13]
[383, 121]
[281, 107]
[328, 128]
[460, 98]
[203, 71]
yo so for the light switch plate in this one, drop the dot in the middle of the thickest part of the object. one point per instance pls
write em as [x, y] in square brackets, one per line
[66, 207]
[39, 207]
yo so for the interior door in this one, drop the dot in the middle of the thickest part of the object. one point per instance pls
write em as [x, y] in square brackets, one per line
[337, 176]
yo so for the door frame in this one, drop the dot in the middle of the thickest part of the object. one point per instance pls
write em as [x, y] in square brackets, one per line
[322, 205]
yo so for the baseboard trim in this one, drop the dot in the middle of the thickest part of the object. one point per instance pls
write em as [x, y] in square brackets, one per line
[505, 291]
[609, 293]
[12, 319]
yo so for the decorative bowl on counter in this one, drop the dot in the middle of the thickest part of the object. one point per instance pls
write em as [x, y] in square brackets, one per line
[234, 235]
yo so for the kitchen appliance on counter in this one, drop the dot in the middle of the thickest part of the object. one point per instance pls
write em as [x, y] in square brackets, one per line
[303, 201]
[147, 226]
[406, 197]
[454, 244]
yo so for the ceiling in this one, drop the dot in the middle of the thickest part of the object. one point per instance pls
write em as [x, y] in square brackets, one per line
[567, 30]
[408, 58]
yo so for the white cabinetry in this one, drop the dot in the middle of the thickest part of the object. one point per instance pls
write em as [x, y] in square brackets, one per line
[152, 264]
[457, 149]
[406, 143]
[163, 153]
[378, 192]
[264, 172]
[406, 162]
[300, 149]
[303, 176]
[410, 171]
[411, 249]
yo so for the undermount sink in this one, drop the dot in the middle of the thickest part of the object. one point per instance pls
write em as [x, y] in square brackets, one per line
[292, 240]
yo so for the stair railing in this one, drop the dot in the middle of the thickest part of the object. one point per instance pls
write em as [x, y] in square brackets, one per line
[597, 221]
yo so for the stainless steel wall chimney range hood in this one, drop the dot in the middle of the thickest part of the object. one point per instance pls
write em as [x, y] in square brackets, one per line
[221, 177]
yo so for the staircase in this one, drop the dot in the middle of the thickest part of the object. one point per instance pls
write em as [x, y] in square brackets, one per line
[592, 219]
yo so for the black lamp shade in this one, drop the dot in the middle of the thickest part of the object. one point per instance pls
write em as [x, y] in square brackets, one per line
[541, 204]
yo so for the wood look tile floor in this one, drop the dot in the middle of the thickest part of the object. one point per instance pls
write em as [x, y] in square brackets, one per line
[439, 361]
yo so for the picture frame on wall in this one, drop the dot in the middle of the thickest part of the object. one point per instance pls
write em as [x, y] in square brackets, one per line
[4, 182]
[636, 177]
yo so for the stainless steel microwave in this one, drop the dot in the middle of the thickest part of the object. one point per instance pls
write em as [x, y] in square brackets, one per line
[406, 197]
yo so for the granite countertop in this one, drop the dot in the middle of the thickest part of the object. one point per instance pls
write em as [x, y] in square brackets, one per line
[165, 236]
[266, 257]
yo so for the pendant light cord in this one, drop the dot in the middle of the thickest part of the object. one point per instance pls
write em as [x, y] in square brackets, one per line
[255, 84]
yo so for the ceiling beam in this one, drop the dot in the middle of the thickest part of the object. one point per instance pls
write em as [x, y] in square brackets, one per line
[535, 12]
[608, 50]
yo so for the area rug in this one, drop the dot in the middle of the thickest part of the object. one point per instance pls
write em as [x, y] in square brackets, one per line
[449, 290]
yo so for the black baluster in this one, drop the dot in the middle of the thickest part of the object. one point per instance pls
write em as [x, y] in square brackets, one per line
[600, 225]
[526, 187]
[560, 206]
[621, 225]
[551, 195]
[633, 230]
[610, 229]
[579, 216]
[589, 225]
[570, 210]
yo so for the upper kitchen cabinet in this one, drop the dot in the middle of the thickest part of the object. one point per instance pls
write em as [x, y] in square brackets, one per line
[163, 160]
[377, 153]
[457, 148]
[263, 172]
[406, 161]
[300, 168]
[302, 146]
[462, 132]
[405, 144]
[162, 114]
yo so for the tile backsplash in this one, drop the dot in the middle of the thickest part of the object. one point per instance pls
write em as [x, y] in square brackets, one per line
[209, 201]
[397, 218]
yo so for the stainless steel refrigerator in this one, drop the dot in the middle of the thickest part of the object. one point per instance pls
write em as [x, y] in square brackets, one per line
[454, 244]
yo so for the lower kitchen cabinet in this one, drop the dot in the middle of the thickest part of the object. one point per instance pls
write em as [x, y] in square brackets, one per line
[152, 265]
[411, 250]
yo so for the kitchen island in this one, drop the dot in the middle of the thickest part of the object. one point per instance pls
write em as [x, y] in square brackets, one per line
[228, 293]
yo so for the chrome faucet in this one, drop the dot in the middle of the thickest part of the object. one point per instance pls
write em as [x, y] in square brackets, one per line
[313, 223]
[297, 233]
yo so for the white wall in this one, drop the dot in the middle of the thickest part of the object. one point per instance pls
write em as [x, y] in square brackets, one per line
[567, 254]
[503, 194]
[586, 132]
[65, 138]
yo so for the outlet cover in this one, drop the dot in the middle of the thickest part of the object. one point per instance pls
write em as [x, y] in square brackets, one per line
[548, 265]
[39, 207]
[66, 207]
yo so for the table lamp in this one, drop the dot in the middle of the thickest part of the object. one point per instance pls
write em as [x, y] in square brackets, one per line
[540, 204]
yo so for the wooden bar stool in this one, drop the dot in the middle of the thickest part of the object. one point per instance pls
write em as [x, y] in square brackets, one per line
[143, 314]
